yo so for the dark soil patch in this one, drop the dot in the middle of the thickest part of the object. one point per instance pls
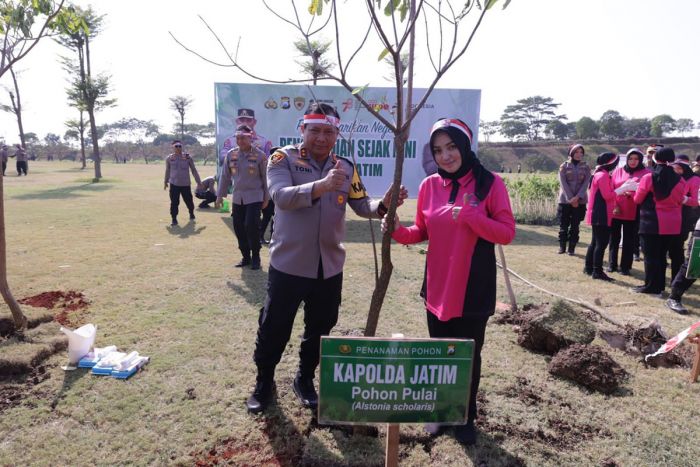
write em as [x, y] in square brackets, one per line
[644, 338]
[63, 301]
[14, 394]
[521, 315]
[589, 366]
[558, 433]
[524, 392]
[228, 452]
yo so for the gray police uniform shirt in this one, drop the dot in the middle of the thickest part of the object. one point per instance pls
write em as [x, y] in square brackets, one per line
[308, 230]
[247, 172]
[21, 155]
[177, 170]
[4, 153]
[208, 185]
[573, 181]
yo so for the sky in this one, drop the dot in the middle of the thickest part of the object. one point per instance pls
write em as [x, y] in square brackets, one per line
[638, 57]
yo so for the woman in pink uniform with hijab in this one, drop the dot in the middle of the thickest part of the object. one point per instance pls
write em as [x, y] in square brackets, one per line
[462, 211]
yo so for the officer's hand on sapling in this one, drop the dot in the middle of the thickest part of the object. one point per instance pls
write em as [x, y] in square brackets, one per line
[385, 223]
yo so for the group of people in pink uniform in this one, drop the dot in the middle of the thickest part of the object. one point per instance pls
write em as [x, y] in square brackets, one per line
[652, 204]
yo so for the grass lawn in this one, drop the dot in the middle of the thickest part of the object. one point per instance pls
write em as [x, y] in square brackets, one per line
[174, 295]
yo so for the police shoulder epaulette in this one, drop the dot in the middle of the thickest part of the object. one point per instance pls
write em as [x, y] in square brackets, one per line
[349, 161]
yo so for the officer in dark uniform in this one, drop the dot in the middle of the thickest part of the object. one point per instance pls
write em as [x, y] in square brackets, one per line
[4, 154]
[246, 166]
[311, 188]
[574, 175]
[177, 173]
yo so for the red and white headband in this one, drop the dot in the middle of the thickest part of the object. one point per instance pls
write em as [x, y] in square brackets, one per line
[454, 123]
[244, 133]
[322, 119]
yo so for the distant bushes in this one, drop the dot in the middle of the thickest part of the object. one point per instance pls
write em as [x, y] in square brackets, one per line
[534, 198]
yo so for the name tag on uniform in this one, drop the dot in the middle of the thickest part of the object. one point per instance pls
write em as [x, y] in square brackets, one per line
[302, 169]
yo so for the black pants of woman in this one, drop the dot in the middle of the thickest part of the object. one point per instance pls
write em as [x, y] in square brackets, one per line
[656, 248]
[627, 231]
[569, 220]
[596, 250]
[465, 327]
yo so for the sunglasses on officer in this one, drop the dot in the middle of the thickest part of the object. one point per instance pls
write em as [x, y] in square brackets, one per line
[177, 145]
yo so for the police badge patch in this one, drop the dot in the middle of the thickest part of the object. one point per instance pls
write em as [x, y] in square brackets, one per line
[277, 158]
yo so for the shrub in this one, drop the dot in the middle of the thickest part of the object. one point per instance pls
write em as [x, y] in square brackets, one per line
[534, 199]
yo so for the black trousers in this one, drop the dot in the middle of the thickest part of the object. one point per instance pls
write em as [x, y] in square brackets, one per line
[267, 214]
[596, 250]
[464, 327]
[175, 193]
[4, 167]
[656, 248]
[285, 293]
[569, 220]
[22, 167]
[676, 253]
[207, 196]
[628, 232]
[246, 226]
[681, 283]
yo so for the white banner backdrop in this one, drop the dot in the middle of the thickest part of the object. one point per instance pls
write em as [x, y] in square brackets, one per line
[278, 110]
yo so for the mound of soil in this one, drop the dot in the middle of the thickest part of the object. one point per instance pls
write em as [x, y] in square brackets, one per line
[642, 337]
[558, 327]
[63, 301]
[521, 315]
[589, 366]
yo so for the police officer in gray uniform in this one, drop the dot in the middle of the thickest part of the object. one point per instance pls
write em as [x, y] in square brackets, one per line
[311, 189]
[4, 154]
[207, 192]
[22, 160]
[177, 173]
[246, 166]
[574, 176]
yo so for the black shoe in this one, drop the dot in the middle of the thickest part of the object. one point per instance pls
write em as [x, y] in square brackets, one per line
[263, 241]
[644, 289]
[173, 223]
[611, 269]
[204, 206]
[434, 429]
[242, 263]
[305, 392]
[637, 258]
[600, 275]
[466, 434]
[261, 397]
[191, 216]
[562, 248]
[676, 306]
[572, 249]
[255, 264]
[625, 272]
[587, 271]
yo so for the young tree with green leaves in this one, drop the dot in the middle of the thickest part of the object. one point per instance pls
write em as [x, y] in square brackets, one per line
[662, 125]
[611, 124]
[87, 92]
[586, 128]
[684, 125]
[23, 23]
[489, 129]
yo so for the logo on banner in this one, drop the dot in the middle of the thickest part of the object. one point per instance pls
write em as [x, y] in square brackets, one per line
[299, 103]
[284, 104]
[270, 104]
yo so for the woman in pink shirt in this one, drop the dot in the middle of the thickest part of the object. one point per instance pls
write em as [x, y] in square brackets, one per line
[599, 212]
[689, 212]
[660, 196]
[462, 211]
[625, 223]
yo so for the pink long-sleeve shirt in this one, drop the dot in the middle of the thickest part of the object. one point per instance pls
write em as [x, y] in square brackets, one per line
[692, 185]
[661, 217]
[451, 242]
[601, 198]
[626, 207]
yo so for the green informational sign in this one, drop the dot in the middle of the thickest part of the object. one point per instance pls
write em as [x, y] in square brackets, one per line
[693, 271]
[367, 380]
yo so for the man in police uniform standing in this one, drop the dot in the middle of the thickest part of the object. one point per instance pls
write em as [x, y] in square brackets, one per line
[177, 173]
[245, 117]
[4, 154]
[22, 161]
[245, 166]
[311, 189]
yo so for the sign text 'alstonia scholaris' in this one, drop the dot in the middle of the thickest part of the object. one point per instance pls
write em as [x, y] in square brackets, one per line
[368, 380]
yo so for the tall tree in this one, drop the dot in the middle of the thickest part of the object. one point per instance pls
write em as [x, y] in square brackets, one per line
[23, 23]
[534, 112]
[586, 128]
[557, 129]
[314, 62]
[637, 127]
[489, 129]
[135, 131]
[662, 125]
[394, 25]
[684, 125]
[76, 131]
[89, 91]
[612, 124]
[181, 104]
